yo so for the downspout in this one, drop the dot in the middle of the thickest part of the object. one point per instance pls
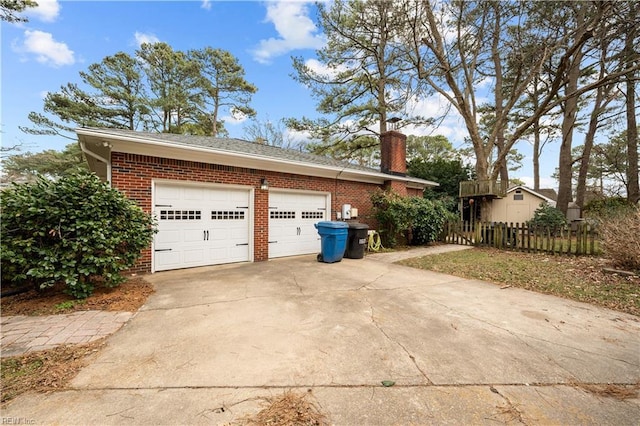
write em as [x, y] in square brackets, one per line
[99, 158]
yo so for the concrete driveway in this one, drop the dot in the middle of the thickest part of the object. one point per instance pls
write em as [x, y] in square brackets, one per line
[213, 341]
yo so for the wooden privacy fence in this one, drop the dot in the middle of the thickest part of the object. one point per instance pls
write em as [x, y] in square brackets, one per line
[580, 238]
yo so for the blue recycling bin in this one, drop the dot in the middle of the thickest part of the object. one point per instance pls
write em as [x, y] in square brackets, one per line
[334, 240]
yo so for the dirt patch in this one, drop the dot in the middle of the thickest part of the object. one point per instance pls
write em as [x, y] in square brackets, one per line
[288, 409]
[128, 296]
[620, 392]
[44, 371]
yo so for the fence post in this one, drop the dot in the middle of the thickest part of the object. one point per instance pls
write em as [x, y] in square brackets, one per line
[579, 246]
[483, 234]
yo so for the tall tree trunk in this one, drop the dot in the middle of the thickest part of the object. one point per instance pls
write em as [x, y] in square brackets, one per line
[568, 122]
[536, 134]
[600, 103]
[581, 186]
[633, 193]
[569, 119]
[536, 155]
[504, 170]
[498, 94]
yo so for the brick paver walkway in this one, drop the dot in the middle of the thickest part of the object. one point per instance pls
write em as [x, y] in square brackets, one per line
[21, 334]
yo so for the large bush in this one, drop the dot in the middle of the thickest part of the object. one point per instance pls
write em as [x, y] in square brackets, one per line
[76, 231]
[547, 217]
[607, 207]
[418, 219]
[620, 235]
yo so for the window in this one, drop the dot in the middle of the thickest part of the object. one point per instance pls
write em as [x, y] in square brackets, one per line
[282, 215]
[180, 214]
[518, 196]
[227, 215]
[313, 215]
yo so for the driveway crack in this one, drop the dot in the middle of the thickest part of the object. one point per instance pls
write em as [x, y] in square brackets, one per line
[509, 409]
[370, 282]
[391, 339]
[295, 280]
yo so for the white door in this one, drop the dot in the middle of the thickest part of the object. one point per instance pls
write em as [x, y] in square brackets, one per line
[291, 222]
[200, 226]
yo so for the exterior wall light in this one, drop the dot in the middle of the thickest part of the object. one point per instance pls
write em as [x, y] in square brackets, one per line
[264, 185]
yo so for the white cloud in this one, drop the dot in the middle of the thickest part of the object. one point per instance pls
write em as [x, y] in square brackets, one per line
[206, 4]
[449, 122]
[297, 137]
[295, 31]
[234, 118]
[47, 50]
[322, 69]
[142, 38]
[47, 10]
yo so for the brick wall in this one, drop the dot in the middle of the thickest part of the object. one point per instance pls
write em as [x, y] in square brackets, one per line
[412, 192]
[393, 153]
[133, 174]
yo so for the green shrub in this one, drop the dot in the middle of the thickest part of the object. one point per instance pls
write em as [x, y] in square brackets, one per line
[418, 219]
[76, 231]
[547, 217]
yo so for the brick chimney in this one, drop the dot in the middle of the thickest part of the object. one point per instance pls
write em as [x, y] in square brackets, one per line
[393, 153]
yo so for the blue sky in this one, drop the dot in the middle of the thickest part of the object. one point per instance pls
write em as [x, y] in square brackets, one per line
[63, 38]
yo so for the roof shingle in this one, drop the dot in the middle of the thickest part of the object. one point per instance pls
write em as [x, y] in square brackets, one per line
[239, 146]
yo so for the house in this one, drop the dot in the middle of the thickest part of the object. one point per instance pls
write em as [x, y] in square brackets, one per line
[518, 205]
[221, 200]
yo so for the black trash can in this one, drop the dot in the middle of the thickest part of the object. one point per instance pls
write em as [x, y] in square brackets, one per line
[356, 240]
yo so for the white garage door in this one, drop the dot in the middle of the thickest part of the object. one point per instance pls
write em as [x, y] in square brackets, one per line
[291, 220]
[200, 226]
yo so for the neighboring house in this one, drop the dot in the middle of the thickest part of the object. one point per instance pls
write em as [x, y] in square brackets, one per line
[220, 200]
[520, 204]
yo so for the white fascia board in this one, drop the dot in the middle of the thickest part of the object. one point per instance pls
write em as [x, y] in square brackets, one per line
[156, 148]
[534, 193]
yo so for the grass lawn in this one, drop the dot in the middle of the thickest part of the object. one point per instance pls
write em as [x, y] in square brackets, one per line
[573, 277]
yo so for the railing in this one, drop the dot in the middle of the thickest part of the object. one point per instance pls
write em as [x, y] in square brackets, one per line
[579, 239]
[474, 188]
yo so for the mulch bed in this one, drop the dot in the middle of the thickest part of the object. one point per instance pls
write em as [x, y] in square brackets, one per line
[128, 296]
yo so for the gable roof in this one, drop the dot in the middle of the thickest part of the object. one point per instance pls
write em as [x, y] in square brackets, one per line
[98, 143]
[549, 193]
[534, 193]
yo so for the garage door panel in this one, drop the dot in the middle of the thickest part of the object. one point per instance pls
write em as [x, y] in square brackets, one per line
[193, 255]
[217, 236]
[168, 237]
[168, 259]
[200, 226]
[291, 222]
[193, 194]
[167, 193]
[237, 234]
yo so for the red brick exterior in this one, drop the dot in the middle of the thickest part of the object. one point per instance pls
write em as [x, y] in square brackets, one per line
[395, 186]
[413, 192]
[133, 174]
[393, 153]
